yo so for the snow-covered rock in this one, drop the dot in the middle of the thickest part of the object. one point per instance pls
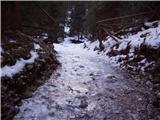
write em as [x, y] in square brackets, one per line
[36, 46]
[1, 50]
[9, 71]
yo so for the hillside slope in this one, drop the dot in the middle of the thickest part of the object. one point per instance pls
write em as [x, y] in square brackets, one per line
[25, 64]
[139, 54]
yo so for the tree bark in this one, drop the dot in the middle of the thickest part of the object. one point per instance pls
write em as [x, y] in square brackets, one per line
[122, 17]
[18, 22]
[45, 12]
[78, 36]
[37, 27]
[100, 38]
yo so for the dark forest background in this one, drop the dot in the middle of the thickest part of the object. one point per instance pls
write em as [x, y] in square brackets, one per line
[22, 21]
[30, 17]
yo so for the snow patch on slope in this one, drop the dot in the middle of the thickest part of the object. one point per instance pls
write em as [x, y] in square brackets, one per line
[36, 46]
[149, 37]
[9, 71]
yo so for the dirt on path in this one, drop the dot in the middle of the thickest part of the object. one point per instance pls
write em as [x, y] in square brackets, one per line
[86, 87]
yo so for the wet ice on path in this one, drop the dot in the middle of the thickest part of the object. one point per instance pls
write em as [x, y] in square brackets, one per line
[86, 87]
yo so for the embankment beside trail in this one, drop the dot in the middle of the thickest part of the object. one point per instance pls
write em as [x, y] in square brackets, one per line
[139, 54]
[25, 64]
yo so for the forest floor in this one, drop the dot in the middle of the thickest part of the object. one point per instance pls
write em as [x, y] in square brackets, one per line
[86, 87]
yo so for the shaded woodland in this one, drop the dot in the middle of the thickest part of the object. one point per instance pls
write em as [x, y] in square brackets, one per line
[28, 23]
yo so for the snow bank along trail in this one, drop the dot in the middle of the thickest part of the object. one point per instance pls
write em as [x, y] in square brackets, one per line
[86, 87]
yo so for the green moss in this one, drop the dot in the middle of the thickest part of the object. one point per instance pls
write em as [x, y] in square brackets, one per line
[15, 50]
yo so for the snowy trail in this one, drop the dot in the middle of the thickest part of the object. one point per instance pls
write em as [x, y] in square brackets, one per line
[86, 87]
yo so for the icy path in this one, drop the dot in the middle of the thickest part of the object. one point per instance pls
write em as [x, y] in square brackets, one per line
[85, 88]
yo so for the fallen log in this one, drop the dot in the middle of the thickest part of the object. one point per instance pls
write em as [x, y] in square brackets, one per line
[126, 27]
[122, 17]
[111, 35]
[45, 12]
[40, 42]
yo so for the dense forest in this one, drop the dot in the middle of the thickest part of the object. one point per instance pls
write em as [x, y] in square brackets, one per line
[80, 60]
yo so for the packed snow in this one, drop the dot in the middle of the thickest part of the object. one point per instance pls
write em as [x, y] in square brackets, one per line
[86, 87]
[9, 71]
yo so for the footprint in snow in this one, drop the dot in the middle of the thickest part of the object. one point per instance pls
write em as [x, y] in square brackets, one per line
[110, 76]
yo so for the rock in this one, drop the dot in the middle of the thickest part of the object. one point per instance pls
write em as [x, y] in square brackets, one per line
[84, 45]
[27, 94]
[91, 74]
[110, 76]
[42, 60]
[76, 41]
[139, 99]
[81, 66]
[86, 92]
[158, 95]
[138, 80]
[77, 56]
[28, 56]
[58, 74]
[96, 48]
[30, 66]
[51, 114]
[76, 110]
[156, 103]
[83, 104]
[149, 84]
[72, 117]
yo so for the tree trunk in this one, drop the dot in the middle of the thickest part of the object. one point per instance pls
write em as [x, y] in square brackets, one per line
[18, 23]
[78, 36]
[11, 16]
[81, 36]
[100, 38]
